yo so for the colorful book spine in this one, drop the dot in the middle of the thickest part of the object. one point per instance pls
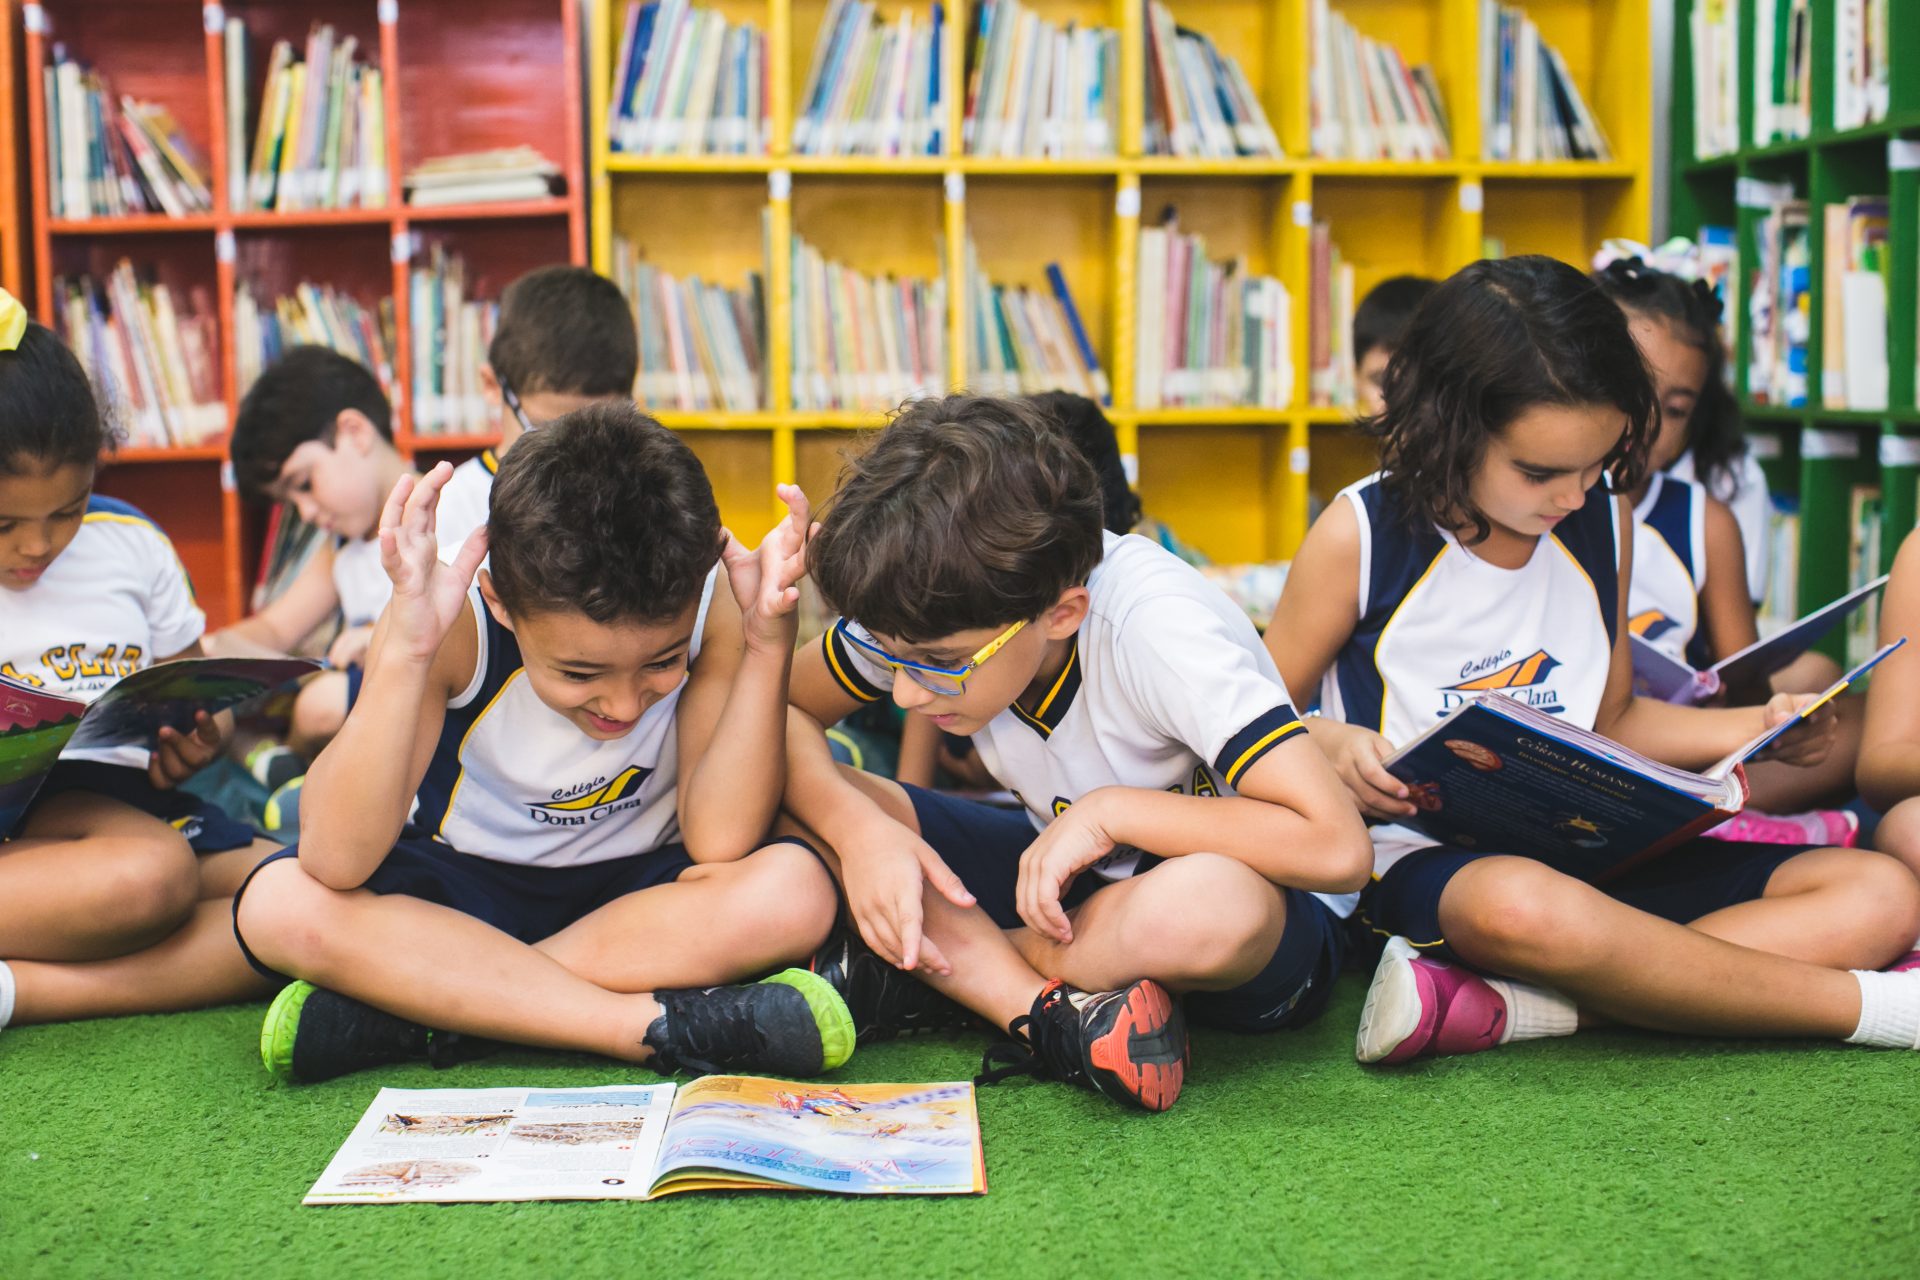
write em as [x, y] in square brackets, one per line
[701, 345]
[863, 342]
[1365, 101]
[1040, 89]
[873, 86]
[1532, 110]
[110, 155]
[319, 135]
[1199, 101]
[688, 82]
[316, 315]
[155, 361]
[1228, 342]
[450, 330]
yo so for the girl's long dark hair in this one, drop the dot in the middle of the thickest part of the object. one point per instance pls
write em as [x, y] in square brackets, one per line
[1495, 339]
[1693, 310]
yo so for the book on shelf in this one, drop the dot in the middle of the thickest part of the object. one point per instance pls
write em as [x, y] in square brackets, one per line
[1780, 307]
[1714, 32]
[1330, 303]
[320, 126]
[1530, 108]
[1365, 102]
[481, 177]
[1041, 89]
[1853, 312]
[1782, 70]
[875, 87]
[1866, 513]
[1024, 341]
[688, 82]
[1718, 263]
[1209, 333]
[863, 342]
[1779, 604]
[1862, 62]
[451, 329]
[36, 725]
[110, 155]
[1199, 102]
[637, 1142]
[702, 346]
[1500, 775]
[1660, 673]
[316, 315]
[154, 357]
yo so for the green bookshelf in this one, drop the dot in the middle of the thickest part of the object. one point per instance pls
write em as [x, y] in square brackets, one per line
[1817, 453]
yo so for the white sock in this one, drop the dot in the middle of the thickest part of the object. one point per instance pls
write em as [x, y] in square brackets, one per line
[1534, 1013]
[1889, 1010]
[6, 994]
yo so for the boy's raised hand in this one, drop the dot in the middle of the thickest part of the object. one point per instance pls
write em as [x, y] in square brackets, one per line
[766, 581]
[427, 594]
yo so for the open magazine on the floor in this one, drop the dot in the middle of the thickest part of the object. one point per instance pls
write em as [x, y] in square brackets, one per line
[635, 1142]
[1500, 776]
[36, 726]
[1658, 674]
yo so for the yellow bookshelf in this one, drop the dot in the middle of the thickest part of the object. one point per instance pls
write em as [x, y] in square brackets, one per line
[1235, 481]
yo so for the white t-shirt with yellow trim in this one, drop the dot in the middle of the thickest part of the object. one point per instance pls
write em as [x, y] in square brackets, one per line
[115, 601]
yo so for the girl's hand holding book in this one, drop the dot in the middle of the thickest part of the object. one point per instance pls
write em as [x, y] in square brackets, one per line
[1808, 744]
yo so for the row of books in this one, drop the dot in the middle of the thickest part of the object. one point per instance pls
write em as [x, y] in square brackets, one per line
[1199, 101]
[874, 87]
[313, 314]
[109, 155]
[1530, 108]
[1862, 62]
[1853, 305]
[1782, 70]
[688, 82]
[1713, 29]
[1365, 102]
[1780, 305]
[860, 341]
[481, 177]
[1866, 510]
[1331, 299]
[1038, 88]
[451, 330]
[1210, 333]
[154, 358]
[702, 346]
[1023, 341]
[319, 129]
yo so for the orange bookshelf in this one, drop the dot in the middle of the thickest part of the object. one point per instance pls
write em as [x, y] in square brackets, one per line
[12, 161]
[437, 102]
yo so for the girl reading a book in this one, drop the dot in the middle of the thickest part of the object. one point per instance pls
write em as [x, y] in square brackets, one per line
[114, 884]
[1489, 555]
[1690, 593]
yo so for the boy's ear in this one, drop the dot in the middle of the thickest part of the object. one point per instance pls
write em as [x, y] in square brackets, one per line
[353, 429]
[1066, 614]
[492, 598]
[490, 387]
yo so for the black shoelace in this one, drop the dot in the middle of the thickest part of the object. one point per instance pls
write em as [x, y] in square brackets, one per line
[1047, 1052]
[705, 1032]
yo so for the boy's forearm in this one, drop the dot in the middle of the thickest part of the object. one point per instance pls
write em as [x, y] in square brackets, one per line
[1327, 853]
[818, 794]
[734, 790]
[357, 794]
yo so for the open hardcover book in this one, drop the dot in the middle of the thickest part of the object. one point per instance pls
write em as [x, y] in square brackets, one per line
[1657, 674]
[1501, 776]
[635, 1142]
[36, 726]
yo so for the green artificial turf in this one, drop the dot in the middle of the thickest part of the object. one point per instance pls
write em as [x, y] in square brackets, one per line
[155, 1146]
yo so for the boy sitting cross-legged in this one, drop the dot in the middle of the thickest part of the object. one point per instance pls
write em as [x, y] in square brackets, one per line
[1178, 833]
[590, 741]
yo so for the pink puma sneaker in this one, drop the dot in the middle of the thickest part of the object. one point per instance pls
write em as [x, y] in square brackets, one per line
[1825, 827]
[1421, 1008]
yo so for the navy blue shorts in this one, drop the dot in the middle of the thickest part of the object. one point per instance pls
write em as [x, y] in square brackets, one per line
[356, 676]
[207, 826]
[983, 844]
[1687, 882]
[529, 903]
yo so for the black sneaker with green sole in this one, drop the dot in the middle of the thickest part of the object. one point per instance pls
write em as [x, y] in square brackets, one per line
[311, 1034]
[793, 1023]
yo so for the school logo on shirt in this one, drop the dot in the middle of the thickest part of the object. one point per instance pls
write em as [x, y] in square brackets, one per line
[1651, 625]
[1524, 679]
[586, 802]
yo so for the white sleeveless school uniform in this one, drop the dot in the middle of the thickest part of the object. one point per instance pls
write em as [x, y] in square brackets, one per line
[1438, 625]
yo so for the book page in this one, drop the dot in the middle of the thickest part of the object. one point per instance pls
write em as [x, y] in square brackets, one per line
[449, 1145]
[133, 710]
[857, 1139]
[34, 728]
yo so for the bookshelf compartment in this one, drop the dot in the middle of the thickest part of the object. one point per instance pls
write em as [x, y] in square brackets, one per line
[1216, 487]
[1604, 43]
[740, 466]
[1565, 220]
[1426, 32]
[1014, 248]
[151, 50]
[819, 457]
[184, 498]
[1396, 227]
[485, 74]
[1340, 455]
[809, 27]
[1268, 43]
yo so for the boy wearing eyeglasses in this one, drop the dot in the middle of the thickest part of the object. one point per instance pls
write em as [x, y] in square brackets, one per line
[1178, 840]
[565, 340]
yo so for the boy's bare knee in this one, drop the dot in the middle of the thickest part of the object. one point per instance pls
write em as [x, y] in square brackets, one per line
[1898, 834]
[283, 916]
[787, 893]
[1207, 913]
[1885, 915]
[318, 713]
[1506, 909]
